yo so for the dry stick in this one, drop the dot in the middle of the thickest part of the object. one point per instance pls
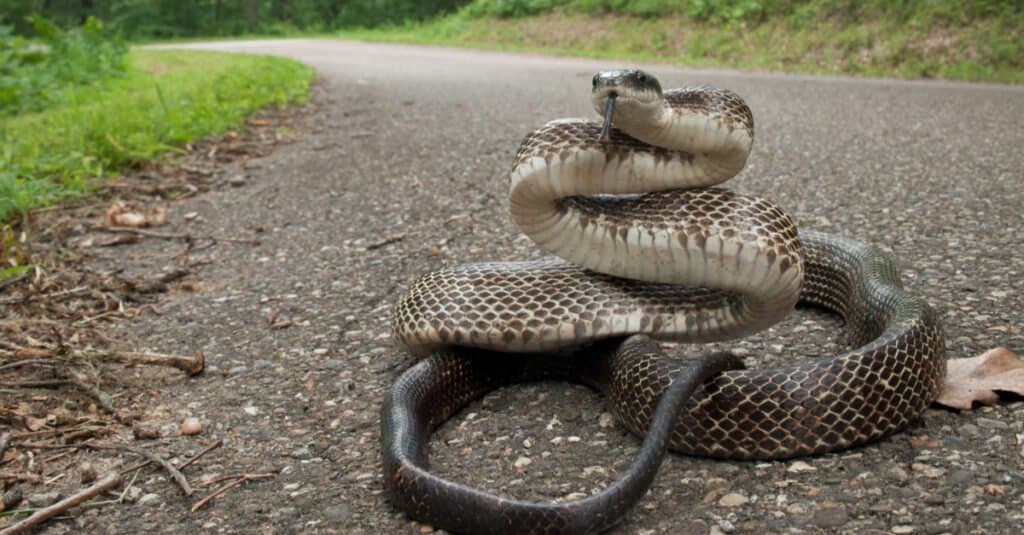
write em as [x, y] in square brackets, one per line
[244, 477]
[35, 384]
[191, 365]
[385, 242]
[54, 295]
[152, 457]
[28, 362]
[46, 513]
[178, 236]
[185, 464]
[12, 281]
[101, 397]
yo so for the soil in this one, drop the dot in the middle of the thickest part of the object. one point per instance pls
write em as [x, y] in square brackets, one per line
[399, 168]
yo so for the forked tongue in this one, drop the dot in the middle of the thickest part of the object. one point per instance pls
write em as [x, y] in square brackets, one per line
[609, 110]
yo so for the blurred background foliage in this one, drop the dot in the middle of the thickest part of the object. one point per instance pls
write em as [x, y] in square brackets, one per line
[161, 19]
[35, 75]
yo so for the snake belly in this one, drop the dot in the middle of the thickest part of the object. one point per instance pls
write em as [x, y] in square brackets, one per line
[695, 265]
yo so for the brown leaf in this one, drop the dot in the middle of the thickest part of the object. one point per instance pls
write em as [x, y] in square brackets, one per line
[34, 424]
[979, 378]
[121, 215]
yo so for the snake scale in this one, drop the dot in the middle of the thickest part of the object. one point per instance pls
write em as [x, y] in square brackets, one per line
[649, 249]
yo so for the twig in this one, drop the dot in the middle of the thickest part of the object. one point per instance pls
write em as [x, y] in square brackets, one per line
[178, 236]
[152, 457]
[385, 242]
[191, 365]
[30, 478]
[242, 479]
[46, 513]
[101, 397]
[5, 442]
[53, 295]
[99, 316]
[35, 384]
[185, 464]
[12, 280]
[27, 362]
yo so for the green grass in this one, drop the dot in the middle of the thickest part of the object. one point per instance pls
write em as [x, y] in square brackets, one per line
[823, 37]
[167, 99]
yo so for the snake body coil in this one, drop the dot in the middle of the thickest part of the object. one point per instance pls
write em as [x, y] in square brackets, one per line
[686, 264]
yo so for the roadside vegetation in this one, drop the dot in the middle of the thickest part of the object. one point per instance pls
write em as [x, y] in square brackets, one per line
[77, 105]
[974, 40]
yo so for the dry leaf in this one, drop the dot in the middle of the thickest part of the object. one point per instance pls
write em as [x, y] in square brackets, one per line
[979, 378]
[32, 423]
[121, 215]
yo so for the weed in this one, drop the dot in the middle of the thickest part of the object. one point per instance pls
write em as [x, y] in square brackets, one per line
[165, 100]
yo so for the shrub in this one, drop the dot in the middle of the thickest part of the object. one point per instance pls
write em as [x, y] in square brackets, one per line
[39, 75]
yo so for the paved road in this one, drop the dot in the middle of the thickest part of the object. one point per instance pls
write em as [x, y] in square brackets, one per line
[413, 145]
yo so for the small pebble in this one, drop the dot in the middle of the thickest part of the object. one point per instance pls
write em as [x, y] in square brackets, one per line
[960, 477]
[337, 512]
[991, 423]
[830, 517]
[42, 499]
[145, 431]
[87, 472]
[928, 470]
[733, 499]
[522, 462]
[191, 426]
[149, 499]
[797, 467]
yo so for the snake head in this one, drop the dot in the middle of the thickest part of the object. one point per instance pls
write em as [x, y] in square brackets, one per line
[625, 95]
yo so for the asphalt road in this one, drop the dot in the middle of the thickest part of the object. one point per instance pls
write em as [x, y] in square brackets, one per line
[405, 171]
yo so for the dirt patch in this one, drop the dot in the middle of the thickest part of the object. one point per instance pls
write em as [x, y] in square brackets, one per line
[73, 385]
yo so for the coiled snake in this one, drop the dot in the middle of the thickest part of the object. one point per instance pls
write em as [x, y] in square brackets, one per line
[667, 257]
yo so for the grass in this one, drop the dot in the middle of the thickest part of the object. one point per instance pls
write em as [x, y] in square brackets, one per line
[167, 99]
[986, 48]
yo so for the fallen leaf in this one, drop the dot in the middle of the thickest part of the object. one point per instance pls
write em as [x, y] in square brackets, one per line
[994, 490]
[979, 378]
[34, 424]
[121, 215]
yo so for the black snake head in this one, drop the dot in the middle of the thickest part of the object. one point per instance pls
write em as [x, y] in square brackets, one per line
[625, 95]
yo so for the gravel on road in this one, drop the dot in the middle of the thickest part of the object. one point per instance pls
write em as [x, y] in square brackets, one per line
[404, 171]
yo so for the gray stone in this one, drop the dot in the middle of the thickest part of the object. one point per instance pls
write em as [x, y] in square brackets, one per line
[831, 517]
[989, 423]
[149, 499]
[960, 477]
[42, 499]
[337, 513]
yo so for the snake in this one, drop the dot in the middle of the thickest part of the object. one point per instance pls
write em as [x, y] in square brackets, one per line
[648, 247]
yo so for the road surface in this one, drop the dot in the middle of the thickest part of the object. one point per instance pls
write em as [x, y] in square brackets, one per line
[405, 170]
